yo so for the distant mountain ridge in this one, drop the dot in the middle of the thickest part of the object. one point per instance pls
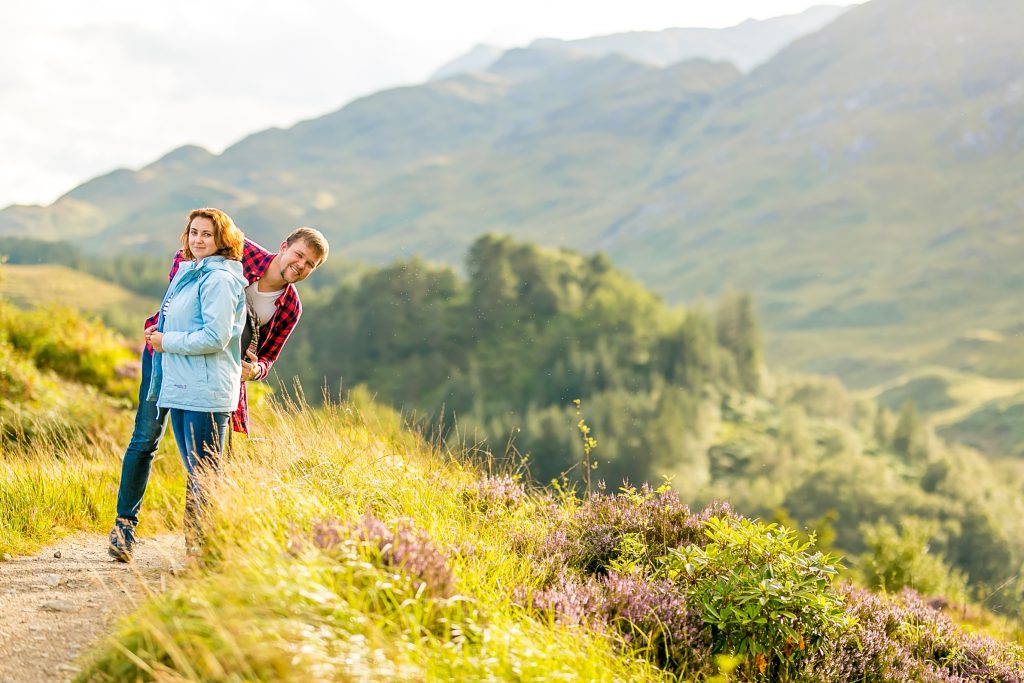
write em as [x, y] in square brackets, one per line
[863, 183]
[746, 45]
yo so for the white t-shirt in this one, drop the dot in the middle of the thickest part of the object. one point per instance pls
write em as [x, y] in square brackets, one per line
[262, 302]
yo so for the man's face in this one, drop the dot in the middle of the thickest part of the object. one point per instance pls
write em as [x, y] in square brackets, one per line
[297, 261]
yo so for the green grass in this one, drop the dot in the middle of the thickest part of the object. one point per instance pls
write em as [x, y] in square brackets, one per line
[59, 486]
[29, 286]
[270, 603]
[269, 607]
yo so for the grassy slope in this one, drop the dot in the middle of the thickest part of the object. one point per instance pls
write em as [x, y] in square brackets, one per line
[270, 606]
[261, 613]
[30, 286]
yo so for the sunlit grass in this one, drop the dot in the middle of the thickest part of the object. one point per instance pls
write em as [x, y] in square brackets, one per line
[64, 483]
[31, 286]
[270, 601]
[266, 606]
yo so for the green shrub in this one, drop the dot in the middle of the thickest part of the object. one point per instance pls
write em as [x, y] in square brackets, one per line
[764, 596]
[61, 378]
[61, 340]
[898, 558]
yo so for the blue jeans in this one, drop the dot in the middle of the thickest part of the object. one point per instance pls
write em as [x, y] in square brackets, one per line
[200, 437]
[138, 458]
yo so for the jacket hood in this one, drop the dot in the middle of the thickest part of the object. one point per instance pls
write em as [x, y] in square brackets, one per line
[212, 263]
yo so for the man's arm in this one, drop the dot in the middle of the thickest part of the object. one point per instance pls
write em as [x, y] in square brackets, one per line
[253, 256]
[270, 346]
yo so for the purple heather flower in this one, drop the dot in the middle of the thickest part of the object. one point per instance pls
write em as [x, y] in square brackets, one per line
[405, 549]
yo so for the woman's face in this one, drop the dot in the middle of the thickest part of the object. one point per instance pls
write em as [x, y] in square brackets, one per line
[201, 238]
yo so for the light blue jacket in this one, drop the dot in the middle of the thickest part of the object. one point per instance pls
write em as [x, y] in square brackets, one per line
[201, 316]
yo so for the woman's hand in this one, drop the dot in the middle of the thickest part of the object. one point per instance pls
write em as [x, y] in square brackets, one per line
[155, 339]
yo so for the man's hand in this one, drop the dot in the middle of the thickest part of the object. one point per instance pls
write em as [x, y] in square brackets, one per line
[155, 339]
[250, 370]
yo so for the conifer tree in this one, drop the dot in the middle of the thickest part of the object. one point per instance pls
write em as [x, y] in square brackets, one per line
[905, 434]
[882, 428]
[738, 333]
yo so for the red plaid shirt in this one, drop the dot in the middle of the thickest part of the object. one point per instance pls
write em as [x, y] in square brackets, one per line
[273, 335]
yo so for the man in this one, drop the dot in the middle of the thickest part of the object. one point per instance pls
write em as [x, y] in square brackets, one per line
[271, 296]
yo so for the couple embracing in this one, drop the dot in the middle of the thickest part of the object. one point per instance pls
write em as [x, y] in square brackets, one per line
[223, 321]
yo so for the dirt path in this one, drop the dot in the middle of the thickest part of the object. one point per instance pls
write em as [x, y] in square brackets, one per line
[56, 604]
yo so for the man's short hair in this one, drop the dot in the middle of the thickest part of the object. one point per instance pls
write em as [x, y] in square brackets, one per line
[230, 240]
[314, 239]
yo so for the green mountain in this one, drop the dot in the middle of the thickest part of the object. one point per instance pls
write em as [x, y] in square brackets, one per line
[863, 183]
[412, 170]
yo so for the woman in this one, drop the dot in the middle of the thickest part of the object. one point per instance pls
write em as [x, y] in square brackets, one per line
[197, 367]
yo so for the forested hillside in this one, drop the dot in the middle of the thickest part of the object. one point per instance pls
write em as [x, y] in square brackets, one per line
[498, 360]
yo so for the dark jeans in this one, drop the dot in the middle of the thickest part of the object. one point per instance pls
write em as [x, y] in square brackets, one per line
[138, 458]
[200, 437]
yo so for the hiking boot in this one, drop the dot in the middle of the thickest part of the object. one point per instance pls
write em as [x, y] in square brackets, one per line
[122, 540]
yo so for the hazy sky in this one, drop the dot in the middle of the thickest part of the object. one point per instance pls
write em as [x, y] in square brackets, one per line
[87, 87]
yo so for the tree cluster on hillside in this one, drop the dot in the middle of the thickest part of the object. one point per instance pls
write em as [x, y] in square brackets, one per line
[139, 273]
[531, 328]
[498, 359]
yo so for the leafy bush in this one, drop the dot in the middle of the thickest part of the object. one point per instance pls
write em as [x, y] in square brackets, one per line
[632, 527]
[38, 407]
[764, 596]
[899, 558]
[81, 350]
[62, 378]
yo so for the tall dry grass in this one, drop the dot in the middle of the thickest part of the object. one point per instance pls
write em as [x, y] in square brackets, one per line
[271, 601]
